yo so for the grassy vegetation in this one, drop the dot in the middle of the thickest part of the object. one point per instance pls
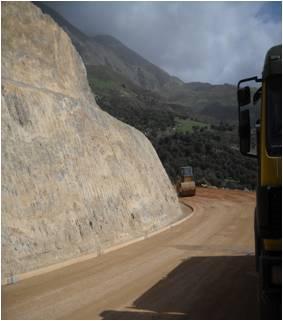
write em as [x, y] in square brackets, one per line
[188, 125]
[100, 84]
[105, 82]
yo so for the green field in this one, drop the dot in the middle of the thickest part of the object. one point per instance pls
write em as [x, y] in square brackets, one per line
[100, 84]
[186, 125]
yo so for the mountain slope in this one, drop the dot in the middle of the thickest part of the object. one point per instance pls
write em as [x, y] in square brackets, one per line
[142, 72]
[123, 92]
[214, 102]
[106, 50]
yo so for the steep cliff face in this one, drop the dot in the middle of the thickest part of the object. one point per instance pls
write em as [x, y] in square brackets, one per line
[74, 179]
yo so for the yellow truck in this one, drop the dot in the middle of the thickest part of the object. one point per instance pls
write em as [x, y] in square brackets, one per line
[267, 129]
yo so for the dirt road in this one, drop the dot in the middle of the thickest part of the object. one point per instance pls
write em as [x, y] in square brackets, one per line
[200, 269]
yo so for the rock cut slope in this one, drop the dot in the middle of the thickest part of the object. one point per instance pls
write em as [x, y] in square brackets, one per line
[74, 179]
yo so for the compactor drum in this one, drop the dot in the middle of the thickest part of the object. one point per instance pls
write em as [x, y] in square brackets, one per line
[185, 185]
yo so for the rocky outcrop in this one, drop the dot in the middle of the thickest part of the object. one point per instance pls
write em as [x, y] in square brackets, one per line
[74, 179]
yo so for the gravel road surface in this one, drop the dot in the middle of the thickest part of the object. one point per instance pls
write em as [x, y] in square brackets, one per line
[200, 269]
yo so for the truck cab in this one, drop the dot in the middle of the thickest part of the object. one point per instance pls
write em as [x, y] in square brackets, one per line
[267, 104]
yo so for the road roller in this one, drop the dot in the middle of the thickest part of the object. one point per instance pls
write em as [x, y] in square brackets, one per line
[186, 185]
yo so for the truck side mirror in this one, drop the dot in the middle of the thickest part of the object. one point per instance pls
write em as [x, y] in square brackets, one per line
[245, 131]
[244, 96]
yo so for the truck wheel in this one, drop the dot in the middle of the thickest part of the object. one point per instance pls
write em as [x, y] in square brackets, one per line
[270, 305]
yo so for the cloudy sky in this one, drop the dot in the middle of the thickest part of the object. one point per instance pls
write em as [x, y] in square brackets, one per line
[216, 42]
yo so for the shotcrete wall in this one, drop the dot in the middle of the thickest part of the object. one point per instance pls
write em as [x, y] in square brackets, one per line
[74, 179]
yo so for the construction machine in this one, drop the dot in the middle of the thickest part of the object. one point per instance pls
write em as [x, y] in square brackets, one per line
[185, 184]
[267, 101]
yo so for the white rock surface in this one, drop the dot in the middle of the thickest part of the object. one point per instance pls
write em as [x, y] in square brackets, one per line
[74, 179]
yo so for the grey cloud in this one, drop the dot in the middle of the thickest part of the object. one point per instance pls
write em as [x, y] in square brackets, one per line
[217, 42]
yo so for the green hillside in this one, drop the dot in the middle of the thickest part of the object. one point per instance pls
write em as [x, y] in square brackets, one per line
[188, 125]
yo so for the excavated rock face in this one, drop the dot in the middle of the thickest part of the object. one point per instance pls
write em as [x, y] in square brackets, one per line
[74, 179]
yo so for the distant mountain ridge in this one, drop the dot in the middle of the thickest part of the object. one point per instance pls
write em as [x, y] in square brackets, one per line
[106, 50]
[111, 55]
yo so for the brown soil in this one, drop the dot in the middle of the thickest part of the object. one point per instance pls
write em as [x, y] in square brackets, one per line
[200, 269]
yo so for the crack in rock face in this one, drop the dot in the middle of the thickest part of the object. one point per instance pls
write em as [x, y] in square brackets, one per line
[18, 109]
[75, 180]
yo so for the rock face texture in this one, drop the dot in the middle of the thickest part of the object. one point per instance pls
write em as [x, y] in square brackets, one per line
[74, 179]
